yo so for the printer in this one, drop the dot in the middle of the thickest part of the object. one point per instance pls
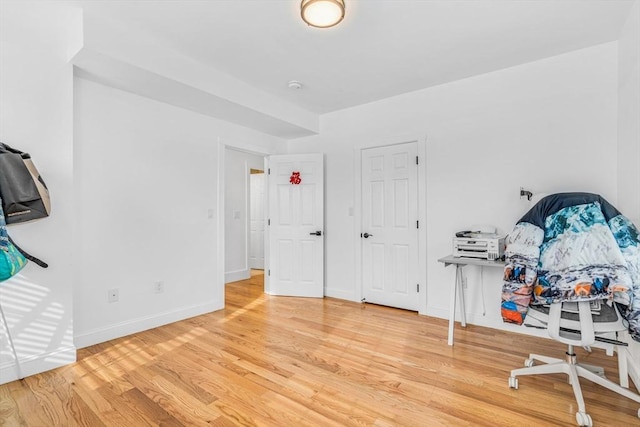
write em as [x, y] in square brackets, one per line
[469, 244]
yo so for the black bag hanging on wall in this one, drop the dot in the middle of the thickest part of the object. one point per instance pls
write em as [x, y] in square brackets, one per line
[24, 194]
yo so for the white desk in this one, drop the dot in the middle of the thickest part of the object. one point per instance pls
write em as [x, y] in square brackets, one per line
[457, 287]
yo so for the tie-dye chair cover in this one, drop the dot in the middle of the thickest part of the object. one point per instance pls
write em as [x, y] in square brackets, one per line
[568, 247]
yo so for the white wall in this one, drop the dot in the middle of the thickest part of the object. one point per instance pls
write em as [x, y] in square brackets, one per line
[36, 115]
[148, 178]
[547, 126]
[629, 127]
[542, 125]
[629, 116]
[237, 166]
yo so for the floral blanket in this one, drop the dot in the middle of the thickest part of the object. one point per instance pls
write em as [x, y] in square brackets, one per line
[568, 247]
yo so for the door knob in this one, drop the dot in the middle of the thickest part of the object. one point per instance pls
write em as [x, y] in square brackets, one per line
[367, 235]
[315, 233]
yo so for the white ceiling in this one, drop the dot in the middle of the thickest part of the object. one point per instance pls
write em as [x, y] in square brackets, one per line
[382, 48]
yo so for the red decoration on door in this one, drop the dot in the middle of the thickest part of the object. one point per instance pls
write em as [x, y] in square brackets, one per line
[295, 178]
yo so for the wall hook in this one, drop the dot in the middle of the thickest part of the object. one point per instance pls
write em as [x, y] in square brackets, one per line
[526, 193]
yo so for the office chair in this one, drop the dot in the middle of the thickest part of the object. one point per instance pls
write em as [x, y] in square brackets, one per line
[574, 324]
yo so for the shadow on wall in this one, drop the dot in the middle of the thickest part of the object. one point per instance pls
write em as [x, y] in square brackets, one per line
[33, 318]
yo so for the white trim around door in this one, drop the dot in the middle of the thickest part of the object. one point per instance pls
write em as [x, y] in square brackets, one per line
[422, 211]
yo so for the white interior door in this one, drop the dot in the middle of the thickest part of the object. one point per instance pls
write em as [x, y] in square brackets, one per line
[296, 225]
[256, 221]
[390, 225]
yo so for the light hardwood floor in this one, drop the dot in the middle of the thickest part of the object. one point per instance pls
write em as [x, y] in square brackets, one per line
[278, 361]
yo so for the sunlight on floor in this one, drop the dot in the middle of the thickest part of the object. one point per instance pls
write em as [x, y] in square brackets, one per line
[244, 309]
[255, 280]
[115, 361]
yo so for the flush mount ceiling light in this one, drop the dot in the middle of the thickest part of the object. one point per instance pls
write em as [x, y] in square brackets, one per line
[322, 13]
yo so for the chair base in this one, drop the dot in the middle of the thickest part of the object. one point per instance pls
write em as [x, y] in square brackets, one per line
[573, 370]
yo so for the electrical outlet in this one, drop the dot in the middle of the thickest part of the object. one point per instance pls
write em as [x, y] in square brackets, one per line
[113, 295]
[158, 287]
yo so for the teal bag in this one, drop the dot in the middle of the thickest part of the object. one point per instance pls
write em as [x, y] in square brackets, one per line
[11, 261]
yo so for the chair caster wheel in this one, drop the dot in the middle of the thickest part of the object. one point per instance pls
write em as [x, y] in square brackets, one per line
[584, 419]
[513, 382]
[528, 363]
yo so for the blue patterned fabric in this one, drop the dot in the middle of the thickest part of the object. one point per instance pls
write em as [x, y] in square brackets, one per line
[570, 247]
[11, 261]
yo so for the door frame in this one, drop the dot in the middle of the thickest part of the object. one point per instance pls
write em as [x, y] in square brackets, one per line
[223, 145]
[422, 210]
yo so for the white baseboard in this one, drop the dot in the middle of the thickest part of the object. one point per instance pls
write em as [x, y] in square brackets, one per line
[144, 323]
[234, 276]
[440, 313]
[257, 264]
[493, 321]
[340, 294]
[37, 364]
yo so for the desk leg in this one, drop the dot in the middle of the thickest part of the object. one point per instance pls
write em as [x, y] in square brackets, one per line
[463, 312]
[452, 305]
[457, 288]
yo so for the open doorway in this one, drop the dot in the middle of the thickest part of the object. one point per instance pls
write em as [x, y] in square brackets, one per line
[244, 216]
[256, 227]
[256, 219]
[295, 244]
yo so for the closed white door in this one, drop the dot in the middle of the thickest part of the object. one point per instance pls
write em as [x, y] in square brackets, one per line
[390, 226]
[296, 225]
[256, 221]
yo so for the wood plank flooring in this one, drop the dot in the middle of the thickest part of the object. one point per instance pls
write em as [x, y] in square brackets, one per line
[281, 361]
